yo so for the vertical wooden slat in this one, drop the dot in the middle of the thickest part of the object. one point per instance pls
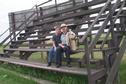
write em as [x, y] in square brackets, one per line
[90, 80]
[13, 24]
[116, 64]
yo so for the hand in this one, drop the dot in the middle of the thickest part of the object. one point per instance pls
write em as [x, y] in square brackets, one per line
[63, 46]
[76, 38]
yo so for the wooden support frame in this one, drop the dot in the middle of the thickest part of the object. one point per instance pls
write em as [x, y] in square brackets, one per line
[112, 16]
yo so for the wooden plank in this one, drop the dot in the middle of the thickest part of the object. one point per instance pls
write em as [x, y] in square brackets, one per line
[102, 27]
[74, 8]
[96, 19]
[61, 18]
[42, 39]
[116, 63]
[86, 12]
[28, 45]
[10, 54]
[64, 69]
[74, 22]
[27, 49]
[47, 49]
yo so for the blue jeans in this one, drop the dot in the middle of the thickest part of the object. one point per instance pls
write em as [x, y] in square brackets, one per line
[59, 50]
[51, 53]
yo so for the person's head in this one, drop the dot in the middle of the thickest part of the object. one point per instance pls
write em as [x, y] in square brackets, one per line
[64, 28]
[57, 29]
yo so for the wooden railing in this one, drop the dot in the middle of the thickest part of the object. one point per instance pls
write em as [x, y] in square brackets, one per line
[101, 29]
[108, 33]
[95, 21]
[89, 47]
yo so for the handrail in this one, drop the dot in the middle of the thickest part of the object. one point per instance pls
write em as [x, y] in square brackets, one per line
[4, 32]
[95, 21]
[117, 61]
[15, 31]
[115, 67]
[9, 28]
[20, 26]
[44, 3]
[73, 8]
[120, 10]
[102, 27]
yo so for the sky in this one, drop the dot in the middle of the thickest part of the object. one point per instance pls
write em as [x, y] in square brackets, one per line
[7, 6]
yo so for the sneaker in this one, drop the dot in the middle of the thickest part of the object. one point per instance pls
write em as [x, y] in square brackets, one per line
[49, 64]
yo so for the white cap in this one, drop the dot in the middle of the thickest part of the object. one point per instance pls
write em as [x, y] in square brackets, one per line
[63, 25]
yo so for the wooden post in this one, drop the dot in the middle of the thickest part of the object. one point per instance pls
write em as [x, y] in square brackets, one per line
[56, 5]
[13, 25]
[37, 12]
[90, 79]
[74, 3]
[41, 11]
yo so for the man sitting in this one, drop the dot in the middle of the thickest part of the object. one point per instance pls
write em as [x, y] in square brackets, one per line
[63, 47]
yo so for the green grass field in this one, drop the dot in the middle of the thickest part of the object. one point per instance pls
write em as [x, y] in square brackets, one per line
[56, 76]
[7, 77]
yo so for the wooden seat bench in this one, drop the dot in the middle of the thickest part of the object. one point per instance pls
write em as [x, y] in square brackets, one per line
[64, 69]
[97, 62]
[98, 24]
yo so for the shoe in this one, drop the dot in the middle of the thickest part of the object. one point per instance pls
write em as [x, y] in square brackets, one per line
[60, 64]
[69, 65]
[49, 64]
[57, 66]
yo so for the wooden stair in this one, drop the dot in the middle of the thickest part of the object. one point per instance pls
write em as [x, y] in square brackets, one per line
[34, 38]
[64, 69]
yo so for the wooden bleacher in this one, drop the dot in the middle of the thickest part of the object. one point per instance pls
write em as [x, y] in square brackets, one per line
[83, 18]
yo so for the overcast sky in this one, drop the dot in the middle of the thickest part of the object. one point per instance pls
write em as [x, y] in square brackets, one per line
[7, 6]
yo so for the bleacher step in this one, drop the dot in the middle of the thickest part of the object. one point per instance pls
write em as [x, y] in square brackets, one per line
[64, 69]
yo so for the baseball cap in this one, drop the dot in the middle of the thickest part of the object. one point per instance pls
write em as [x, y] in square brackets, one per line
[63, 25]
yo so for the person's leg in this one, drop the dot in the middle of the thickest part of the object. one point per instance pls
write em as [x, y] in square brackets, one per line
[51, 52]
[58, 56]
[67, 53]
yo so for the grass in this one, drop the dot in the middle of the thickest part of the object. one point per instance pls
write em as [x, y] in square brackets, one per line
[48, 75]
[61, 77]
[7, 77]
[122, 73]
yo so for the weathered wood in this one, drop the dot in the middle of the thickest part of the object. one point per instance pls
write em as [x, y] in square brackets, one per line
[72, 70]
[26, 49]
[101, 29]
[47, 49]
[34, 45]
[96, 19]
[74, 8]
[42, 39]
[76, 16]
[117, 61]
[86, 12]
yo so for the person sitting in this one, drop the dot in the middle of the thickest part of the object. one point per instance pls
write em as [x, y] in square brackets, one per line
[63, 47]
[56, 38]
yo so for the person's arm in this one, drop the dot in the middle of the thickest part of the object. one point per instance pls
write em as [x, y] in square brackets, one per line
[61, 45]
[54, 45]
[54, 42]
